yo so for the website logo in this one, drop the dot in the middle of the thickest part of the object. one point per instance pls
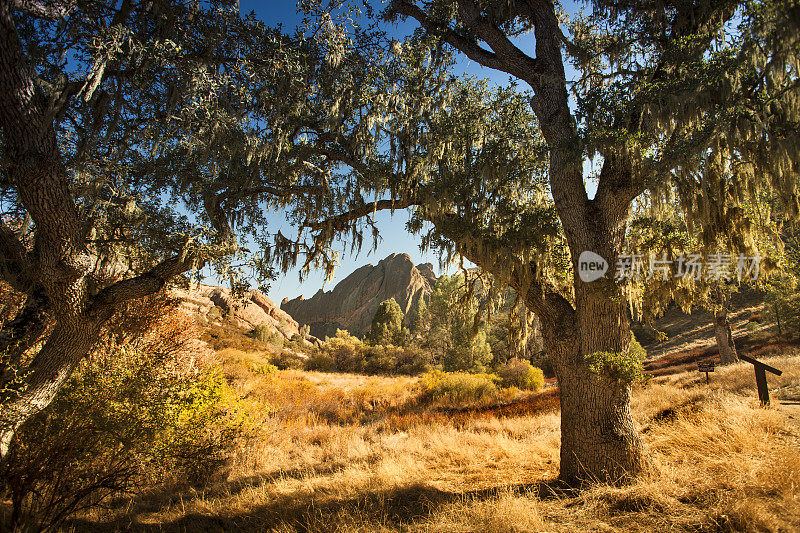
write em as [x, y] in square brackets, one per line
[591, 266]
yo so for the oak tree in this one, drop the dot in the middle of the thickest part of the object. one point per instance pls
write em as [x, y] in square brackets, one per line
[693, 106]
[141, 140]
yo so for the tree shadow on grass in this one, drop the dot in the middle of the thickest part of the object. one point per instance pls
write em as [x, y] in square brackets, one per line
[391, 508]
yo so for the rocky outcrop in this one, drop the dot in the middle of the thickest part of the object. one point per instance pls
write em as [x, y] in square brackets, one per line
[352, 303]
[246, 311]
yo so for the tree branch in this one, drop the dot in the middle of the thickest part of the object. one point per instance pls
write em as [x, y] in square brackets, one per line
[339, 222]
[280, 192]
[52, 11]
[515, 61]
[538, 296]
[467, 46]
[140, 286]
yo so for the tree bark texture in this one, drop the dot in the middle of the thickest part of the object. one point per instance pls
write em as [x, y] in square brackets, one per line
[724, 336]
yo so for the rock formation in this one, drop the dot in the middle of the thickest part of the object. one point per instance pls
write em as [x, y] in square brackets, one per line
[353, 301]
[247, 311]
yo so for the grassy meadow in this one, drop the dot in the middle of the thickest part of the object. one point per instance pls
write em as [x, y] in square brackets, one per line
[345, 452]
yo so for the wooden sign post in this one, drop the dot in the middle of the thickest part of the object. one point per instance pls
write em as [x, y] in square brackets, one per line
[761, 377]
[705, 366]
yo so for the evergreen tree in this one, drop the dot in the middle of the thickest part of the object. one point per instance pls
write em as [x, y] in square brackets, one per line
[458, 334]
[420, 318]
[387, 324]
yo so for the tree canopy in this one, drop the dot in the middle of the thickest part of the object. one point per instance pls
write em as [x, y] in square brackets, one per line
[142, 140]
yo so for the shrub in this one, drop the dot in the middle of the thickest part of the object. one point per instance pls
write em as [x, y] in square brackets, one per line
[215, 313]
[321, 362]
[458, 387]
[413, 360]
[636, 349]
[264, 369]
[263, 333]
[346, 351]
[647, 334]
[625, 367]
[381, 359]
[542, 360]
[290, 360]
[521, 374]
[143, 406]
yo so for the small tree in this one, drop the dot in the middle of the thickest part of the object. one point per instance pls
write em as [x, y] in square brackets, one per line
[470, 351]
[457, 335]
[387, 325]
[420, 318]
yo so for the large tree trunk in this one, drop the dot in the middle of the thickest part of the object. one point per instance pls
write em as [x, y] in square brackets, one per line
[599, 439]
[599, 436]
[724, 335]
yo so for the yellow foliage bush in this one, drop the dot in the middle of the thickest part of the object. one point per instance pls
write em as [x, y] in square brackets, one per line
[144, 408]
[520, 374]
[458, 387]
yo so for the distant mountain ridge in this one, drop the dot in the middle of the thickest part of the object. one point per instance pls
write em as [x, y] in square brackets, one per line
[352, 303]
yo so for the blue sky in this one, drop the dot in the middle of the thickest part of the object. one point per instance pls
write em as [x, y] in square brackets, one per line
[394, 237]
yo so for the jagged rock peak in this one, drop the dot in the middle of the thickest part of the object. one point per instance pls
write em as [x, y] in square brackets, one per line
[352, 303]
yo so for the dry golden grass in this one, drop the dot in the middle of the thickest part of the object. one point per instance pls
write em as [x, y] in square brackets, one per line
[332, 452]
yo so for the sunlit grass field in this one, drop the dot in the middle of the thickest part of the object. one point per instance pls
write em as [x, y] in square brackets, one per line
[344, 452]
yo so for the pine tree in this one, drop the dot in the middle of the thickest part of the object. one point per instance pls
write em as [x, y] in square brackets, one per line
[387, 324]
[420, 318]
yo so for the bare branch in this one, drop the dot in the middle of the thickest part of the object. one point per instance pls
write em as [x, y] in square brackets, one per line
[340, 221]
[466, 45]
[515, 61]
